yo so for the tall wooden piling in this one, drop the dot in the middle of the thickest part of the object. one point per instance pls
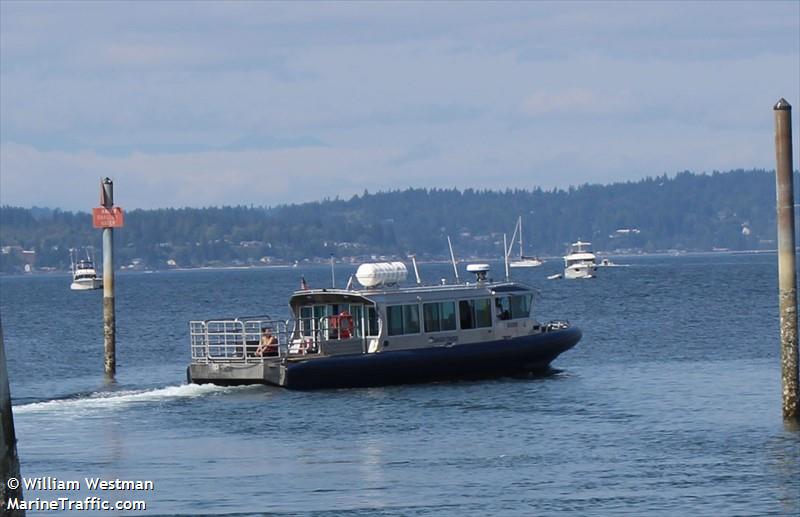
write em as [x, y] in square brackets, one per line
[787, 272]
[109, 314]
[9, 461]
[107, 216]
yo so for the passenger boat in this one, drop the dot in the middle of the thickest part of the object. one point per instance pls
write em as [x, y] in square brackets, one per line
[580, 262]
[523, 261]
[84, 276]
[384, 333]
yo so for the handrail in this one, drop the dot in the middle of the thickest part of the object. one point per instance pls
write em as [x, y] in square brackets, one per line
[237, 339]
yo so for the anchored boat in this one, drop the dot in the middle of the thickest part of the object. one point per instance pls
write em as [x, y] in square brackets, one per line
[84, 276]
[580, 262]
[523, 260]
[383, 334]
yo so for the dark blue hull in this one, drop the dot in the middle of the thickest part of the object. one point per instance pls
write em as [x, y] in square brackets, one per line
[478, 360]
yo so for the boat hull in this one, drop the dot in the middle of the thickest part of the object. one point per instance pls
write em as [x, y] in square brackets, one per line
[526, 263]
[580, 272]
[87, 284]
[476, 360]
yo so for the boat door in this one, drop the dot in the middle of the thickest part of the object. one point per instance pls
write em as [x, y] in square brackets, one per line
[372, 330]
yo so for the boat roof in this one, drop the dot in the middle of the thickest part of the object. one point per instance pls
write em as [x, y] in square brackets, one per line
[385, 294]
[580, 256]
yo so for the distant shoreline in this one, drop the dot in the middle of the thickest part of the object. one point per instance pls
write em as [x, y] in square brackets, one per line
[301, 265]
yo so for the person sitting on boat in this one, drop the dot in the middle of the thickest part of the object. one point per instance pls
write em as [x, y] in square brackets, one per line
[268, 344]
[500, 312]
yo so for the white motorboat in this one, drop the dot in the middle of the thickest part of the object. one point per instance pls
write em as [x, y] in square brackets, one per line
[580, 262]
[523, 260]
[84, 276]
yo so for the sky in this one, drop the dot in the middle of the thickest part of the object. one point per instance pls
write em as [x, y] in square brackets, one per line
[267, 103]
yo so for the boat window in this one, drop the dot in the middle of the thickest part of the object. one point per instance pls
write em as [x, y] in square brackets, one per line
[372, 322]
[513, 307]
[483, 313]
[475, 313]
[439, 316]
[305, 320]
[502, 308]
[357, 311]
[411, 319]
[430, 312]
[402, 319]
[465, 313]
[448, 312]
[394, 319]
[520, 306]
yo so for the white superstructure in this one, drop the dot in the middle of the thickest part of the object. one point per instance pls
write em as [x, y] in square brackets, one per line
[580, 262]
[84, 276]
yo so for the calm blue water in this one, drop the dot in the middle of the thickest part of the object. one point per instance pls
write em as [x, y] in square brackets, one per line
[670, 405]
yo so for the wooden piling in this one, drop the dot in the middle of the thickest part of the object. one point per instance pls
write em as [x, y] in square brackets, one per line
[9, 461]
[787, 272]
[109, 315]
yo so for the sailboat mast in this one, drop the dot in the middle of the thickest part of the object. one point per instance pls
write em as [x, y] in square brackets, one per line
[520, 237]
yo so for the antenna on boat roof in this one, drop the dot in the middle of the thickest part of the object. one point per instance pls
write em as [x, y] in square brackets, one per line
[333, 274]
[453, 259]
[505, 255]
[416, 271]
[349, 283]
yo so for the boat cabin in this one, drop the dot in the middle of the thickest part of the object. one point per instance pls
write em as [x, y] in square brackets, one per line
[381, 317]
[415, 317]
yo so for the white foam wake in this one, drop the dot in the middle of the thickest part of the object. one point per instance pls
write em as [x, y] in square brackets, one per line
[110, 399]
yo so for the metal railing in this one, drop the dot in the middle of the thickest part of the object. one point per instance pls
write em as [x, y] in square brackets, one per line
[235, 339]
[238, 339]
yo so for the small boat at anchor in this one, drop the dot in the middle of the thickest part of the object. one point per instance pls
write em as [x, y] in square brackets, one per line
[383, 333]
[523, 260]
[580, 262]
[84, 275]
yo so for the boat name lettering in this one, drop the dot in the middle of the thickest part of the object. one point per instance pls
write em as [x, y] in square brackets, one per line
[444, 339]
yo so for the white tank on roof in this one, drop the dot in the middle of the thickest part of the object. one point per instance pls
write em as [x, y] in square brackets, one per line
[381, 273]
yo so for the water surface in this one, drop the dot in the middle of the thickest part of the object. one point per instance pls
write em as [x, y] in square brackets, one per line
[670, 405]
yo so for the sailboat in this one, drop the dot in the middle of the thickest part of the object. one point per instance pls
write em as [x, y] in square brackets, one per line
[523, 260]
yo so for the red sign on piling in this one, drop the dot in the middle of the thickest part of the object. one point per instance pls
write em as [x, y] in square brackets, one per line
[107, 217]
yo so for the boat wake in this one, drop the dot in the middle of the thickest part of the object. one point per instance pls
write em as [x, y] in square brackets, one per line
[111, 399]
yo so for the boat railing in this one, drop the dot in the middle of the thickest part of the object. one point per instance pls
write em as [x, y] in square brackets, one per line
[235, 339]
[238, 339]
[554, 325]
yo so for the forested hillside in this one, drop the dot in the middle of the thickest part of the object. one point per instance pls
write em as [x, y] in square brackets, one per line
[734, 210]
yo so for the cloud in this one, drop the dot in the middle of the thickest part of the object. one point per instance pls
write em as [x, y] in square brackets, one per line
[261, 177]
[139, 55]
[242, 98]
[576, 101]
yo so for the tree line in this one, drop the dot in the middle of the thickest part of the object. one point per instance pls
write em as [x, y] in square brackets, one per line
[690, 212]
